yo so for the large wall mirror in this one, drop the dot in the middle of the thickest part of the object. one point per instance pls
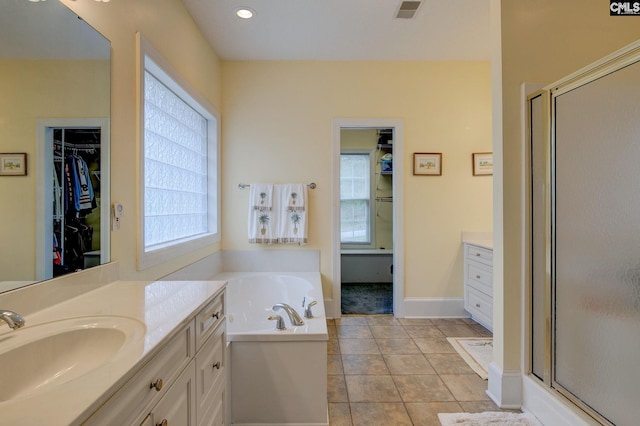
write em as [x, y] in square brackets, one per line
[54, 143]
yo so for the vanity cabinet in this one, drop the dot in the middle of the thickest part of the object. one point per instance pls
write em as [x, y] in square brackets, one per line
[183, 384]
[478, 283]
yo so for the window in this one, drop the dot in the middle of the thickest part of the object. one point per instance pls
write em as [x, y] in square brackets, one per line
[356, 219]
[179, 165]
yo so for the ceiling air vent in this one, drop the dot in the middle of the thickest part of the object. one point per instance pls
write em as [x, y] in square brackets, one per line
[408, 9]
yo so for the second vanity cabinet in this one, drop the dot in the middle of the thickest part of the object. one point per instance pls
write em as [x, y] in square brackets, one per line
[183, 384]
[478, 283]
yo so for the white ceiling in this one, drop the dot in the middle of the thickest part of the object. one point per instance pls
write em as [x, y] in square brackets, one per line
[47, 30]
[344, 29]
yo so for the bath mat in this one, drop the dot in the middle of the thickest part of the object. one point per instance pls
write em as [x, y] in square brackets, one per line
[488, 418]
[477, 352]
[367, 298]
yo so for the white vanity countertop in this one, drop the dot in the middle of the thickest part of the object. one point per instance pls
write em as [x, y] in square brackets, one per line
[480, 243]
[480, 239]
[162, 307]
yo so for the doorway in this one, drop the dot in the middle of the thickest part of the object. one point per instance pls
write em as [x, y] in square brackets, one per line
[368, 246]
[73, 184]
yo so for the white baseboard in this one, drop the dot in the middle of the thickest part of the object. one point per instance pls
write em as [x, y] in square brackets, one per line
[433, 307]
[505, 387]
[549, 407]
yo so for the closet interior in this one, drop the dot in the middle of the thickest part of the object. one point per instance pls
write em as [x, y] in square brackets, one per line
[76, 199]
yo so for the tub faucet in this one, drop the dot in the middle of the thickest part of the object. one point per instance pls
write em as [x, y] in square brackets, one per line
[293, 315]
[307, 312]
[12, 319]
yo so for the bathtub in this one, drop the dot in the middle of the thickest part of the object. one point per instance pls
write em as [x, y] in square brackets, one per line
[277, 376]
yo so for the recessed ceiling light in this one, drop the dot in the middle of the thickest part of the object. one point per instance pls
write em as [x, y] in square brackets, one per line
[245, 13]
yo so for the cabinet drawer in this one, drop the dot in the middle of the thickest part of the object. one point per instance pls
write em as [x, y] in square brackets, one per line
[214, 415]
[209, 318]
[480, 305]
[177, 407]
[137, 395]
[480, 276]
[210, 367]
[479, 254]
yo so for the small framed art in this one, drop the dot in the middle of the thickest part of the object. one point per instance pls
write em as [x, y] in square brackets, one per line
[482, 163]
[13, 164]
[427, 163]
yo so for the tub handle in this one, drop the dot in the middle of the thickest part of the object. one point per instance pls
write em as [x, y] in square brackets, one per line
[279, 322]
[307, 312]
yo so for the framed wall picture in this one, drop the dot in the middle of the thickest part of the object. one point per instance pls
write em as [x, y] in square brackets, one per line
[427, 163]
[482, 163]
[13, 164]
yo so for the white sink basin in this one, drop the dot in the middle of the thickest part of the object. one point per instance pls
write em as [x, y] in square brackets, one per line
[43, 357]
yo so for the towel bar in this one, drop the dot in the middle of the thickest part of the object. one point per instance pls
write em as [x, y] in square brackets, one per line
[311, 185]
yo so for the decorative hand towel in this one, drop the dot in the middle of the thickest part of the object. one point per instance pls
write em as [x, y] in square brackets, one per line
[294, 193]
[261, 224]
[293, 223]
[261, 196]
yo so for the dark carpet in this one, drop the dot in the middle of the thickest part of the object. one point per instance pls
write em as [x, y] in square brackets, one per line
[367, 299]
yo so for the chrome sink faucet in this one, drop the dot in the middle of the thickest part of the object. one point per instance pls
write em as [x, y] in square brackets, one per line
[12, 319]
[293, 315]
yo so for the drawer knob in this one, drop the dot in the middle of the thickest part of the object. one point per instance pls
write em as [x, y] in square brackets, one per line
[163, 423]
[157, 385]
[216, 315]
[478, 254]
[477, 305]
[477, 277]
[217, 365]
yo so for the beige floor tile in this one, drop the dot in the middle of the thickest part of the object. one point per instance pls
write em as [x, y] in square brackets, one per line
[371, 389]
[387, 414]
[449, 364]
[415, 321]
[336, 389]
[388, 332]
[332, 332]
[351, 320]
[408, 364]
[364, 364]
[333, 347]
[382, 320]
[339, 414]
[415, 331]
[458, 330]
[330, 321]
[466, 387]
[354, 332]
[422, 388]
[426, 413]
[448, 321]
[358, 346]
[397, 346]
[481, 330]
[334, 364]
[434, 345]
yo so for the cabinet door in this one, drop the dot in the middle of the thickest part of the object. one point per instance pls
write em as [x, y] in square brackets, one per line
[178, 406]
[210, 370]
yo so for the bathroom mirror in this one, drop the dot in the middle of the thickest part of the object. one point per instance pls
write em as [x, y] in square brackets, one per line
[54, 119]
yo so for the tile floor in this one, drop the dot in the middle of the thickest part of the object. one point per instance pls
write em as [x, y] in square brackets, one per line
[388, 371]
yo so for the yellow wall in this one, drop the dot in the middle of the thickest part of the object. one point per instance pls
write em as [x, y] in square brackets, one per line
[542, 41]
[170, 29]
[32, 90]
[277, 127]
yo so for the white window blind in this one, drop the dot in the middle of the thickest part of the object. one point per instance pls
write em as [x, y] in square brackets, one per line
[355, 198]
[175, 167]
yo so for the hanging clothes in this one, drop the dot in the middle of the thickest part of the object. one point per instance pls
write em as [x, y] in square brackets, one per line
[78, 190]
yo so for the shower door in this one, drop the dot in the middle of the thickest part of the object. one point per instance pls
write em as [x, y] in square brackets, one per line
[595, 237]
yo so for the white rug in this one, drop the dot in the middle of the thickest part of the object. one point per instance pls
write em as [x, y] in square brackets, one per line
[488, 418]
[476, 351]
